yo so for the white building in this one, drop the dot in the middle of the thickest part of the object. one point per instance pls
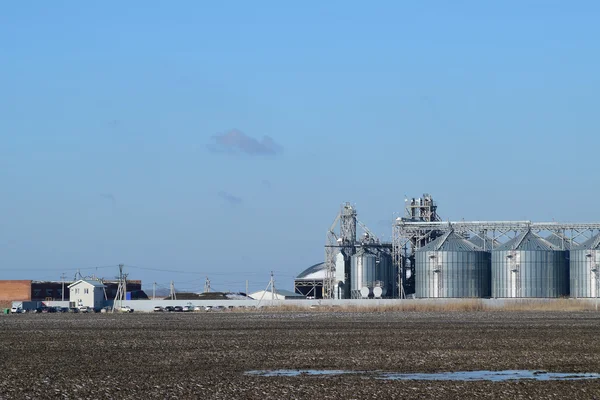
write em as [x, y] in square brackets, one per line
[87, 293]
[279, 295]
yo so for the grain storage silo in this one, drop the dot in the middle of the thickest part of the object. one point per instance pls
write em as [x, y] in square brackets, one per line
[363, 273]
[387, 276]
[451, 266]
[566, 244]
[368, 271]
[585, 269]
[529, 266]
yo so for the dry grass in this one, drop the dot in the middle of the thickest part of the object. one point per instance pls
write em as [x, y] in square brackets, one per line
[467, 305]
[548, 305]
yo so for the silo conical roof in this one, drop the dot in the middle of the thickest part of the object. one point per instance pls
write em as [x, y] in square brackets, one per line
[561, 243]
[527, 241]
[489, 243]
[450, 241]
[591, 244]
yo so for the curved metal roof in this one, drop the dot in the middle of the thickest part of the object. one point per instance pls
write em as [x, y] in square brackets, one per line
[528, 241]
[314, 272]
[591, 244]
[450, 241]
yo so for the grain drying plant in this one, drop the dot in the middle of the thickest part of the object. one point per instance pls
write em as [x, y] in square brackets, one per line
[432, 258]
[356, 265]
[584, 268]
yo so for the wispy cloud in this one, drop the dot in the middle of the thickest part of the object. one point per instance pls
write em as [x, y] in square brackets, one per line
[235, 141]
[230, 198]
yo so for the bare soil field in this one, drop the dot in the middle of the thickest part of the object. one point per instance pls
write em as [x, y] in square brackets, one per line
[207, 355]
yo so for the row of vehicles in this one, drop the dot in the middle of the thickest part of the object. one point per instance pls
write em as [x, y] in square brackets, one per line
[125, 309]
[80, 309]
[188, 308]
[45, 310]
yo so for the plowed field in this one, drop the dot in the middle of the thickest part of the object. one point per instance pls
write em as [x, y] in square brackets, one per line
[206, 355]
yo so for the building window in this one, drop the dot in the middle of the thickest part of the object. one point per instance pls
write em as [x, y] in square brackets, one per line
[76, 291]
[49, 292]
[86, 291]
[37, 293]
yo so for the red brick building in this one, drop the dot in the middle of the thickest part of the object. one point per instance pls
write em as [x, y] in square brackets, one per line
[27, 290]
[15, 290]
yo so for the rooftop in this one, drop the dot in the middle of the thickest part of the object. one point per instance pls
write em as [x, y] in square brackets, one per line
[89, 282]
[314, 272]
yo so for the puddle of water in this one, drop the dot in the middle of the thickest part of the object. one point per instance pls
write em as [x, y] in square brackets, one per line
[494, 376]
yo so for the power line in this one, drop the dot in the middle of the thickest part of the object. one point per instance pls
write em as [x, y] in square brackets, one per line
[58, 269]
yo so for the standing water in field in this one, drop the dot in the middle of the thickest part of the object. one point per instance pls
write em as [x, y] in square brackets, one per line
[494, 376]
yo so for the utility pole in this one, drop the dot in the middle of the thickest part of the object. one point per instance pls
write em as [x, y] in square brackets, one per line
[78, 276]
[121, 289]
[173, 295]
[154, 291]
[272, 287]
[62, 279]
[246, 287]
[207, 285]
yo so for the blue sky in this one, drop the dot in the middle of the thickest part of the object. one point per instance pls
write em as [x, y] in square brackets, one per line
[135, 132]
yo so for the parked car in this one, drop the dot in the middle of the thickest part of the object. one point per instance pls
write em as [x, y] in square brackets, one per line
[198, 308]
[126, 309]
[188, 308]
[158, 309]
[16, 310]
[73, 310]
[207, 308]
[105, 309]
[84, 309]
[178, 309]
[62, 309]
[169, 308]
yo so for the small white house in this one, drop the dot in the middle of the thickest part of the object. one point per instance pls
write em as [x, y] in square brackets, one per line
[278, 295]
[87, 293]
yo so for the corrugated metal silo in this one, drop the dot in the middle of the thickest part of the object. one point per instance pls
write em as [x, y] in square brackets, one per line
[363, 272]
[529, 266]
[386, 275]
[369, 271]
[585, 269]
[451, 266]
[566, 244]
